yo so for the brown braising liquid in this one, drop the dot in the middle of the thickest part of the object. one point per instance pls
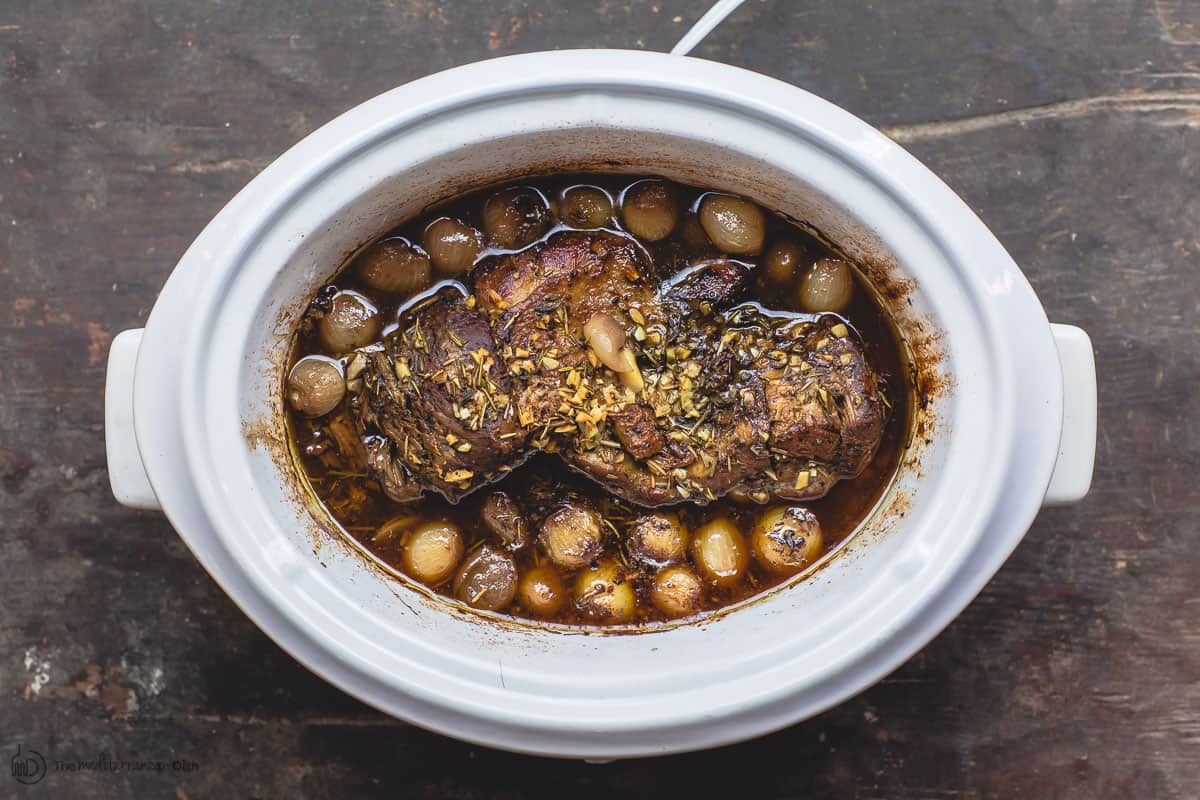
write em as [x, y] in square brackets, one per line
[331, 457]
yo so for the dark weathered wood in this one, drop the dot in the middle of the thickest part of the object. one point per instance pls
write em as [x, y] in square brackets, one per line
[1073, 128]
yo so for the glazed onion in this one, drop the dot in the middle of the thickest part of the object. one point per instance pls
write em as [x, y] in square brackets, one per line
[315, 386]
[432, 551]
[453, 246]
[541, 591]
[585, 207]
[487, 579]
[572, 535]
[828, 286]
[720, 552]
[396, 266]
[650, 209]
[734, 224]
[677, 591]
[657, 539]
[351, 321]
[502, 516]
[513, 218]
[605, 593]
[782, 259]
[786, 539]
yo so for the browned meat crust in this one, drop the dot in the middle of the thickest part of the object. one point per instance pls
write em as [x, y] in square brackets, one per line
[443, 400]
[774, 405]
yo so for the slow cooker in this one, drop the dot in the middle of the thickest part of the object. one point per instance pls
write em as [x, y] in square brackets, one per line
[195, 424]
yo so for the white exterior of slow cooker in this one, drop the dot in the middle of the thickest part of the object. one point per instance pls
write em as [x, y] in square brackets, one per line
[207, 417]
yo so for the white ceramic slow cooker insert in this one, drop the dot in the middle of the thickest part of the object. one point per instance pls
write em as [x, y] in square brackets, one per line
[195, 420]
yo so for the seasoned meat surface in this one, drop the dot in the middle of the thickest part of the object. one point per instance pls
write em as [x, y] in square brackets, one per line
[710, 284]
[711, 396]
[538, 302]
[443, 401]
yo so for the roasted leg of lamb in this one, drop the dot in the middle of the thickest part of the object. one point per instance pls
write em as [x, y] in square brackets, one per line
[663, 391]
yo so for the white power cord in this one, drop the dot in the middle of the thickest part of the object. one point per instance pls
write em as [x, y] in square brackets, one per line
[704, 26]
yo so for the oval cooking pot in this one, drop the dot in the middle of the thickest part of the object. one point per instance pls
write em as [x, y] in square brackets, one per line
[195, 421]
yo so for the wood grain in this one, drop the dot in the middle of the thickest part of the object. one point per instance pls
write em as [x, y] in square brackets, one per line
[1072, 128]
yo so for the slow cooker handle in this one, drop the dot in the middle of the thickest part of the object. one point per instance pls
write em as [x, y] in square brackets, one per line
[126, 472]
[1072, 475]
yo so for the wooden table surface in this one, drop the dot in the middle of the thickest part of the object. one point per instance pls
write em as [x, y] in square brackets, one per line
[1073, 128]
